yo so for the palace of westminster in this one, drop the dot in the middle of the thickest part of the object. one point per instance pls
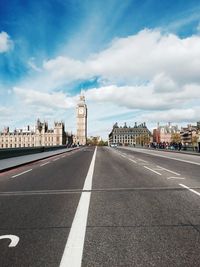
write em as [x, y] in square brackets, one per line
[43, 136]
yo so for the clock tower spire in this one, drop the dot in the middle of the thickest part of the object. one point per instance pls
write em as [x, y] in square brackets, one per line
[81, 115]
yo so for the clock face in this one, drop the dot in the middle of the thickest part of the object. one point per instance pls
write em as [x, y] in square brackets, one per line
[81, 110]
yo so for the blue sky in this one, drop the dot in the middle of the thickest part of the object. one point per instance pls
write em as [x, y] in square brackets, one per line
[136, 61]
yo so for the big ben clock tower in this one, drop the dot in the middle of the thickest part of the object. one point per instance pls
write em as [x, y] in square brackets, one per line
[81, 114]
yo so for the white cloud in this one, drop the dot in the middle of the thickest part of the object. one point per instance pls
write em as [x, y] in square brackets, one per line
[174, 115]
[32, 64]
[144, 97]
[5, 42]
[47, 100]
[164, 84]
[5, 112]
[159, 73]
[140, 57]
[198, 27]
[63, 67]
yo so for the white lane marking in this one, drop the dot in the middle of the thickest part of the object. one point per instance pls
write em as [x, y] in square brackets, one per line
[64, 156]
[123, 156]
[192, 190]
[44, 163]
[143, 160]
[162, 168]
[73, 251]
[132, 160]
[152, 170]
[181, 178]
[166, 157]
[14, 240]
[21, 173]
[56, 159]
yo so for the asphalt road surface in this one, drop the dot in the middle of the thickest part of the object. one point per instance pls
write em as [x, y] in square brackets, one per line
[102, 207]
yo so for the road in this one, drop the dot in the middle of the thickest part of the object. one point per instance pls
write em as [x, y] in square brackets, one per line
[102, 207]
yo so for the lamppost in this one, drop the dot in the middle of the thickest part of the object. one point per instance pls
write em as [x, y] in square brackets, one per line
[198, 144]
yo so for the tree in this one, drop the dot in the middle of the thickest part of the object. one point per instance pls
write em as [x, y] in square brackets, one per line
[175, 138]
[94, 141]
[143, 139]
[102, 143]
[194, 140]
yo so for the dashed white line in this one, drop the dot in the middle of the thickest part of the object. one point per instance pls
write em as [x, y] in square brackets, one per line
[132, 160]
[180, 178]
[21, 173]
[56, 159]
[192, 190]
[44, 163]
[176, 173]
[152, 170]
[73, 251]
[143, 160]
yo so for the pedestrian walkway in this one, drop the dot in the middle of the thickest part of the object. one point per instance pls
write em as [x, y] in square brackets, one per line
[177, 151]
[10, 163]
[171, 150]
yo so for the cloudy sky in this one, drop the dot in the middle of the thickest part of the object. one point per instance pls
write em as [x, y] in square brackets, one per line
[135, 61]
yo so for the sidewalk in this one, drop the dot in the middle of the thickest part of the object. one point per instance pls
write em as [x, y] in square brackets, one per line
[173, 151]
[11, 163]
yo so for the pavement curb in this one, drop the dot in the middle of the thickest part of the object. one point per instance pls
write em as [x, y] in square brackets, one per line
[32, 161]
[172, 151]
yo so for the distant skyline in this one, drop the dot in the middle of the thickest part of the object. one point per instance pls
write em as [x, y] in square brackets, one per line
[134, 60]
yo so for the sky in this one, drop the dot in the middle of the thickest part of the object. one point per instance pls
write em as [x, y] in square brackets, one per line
[135, 61]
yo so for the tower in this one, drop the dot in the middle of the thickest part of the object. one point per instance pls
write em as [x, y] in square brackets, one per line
[59, 134]
[81, 115]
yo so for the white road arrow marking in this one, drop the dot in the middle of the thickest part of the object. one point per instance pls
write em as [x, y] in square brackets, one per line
[14, 240]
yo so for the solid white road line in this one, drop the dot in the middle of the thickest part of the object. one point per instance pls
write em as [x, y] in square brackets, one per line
[192, 190]
[44, 163]
[21, 173]
[152, 170]
[176, 173]
[73, 251]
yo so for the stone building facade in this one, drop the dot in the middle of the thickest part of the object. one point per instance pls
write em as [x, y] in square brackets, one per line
[40, 136]
[163, 134]
[190, 135]
[139, 134]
